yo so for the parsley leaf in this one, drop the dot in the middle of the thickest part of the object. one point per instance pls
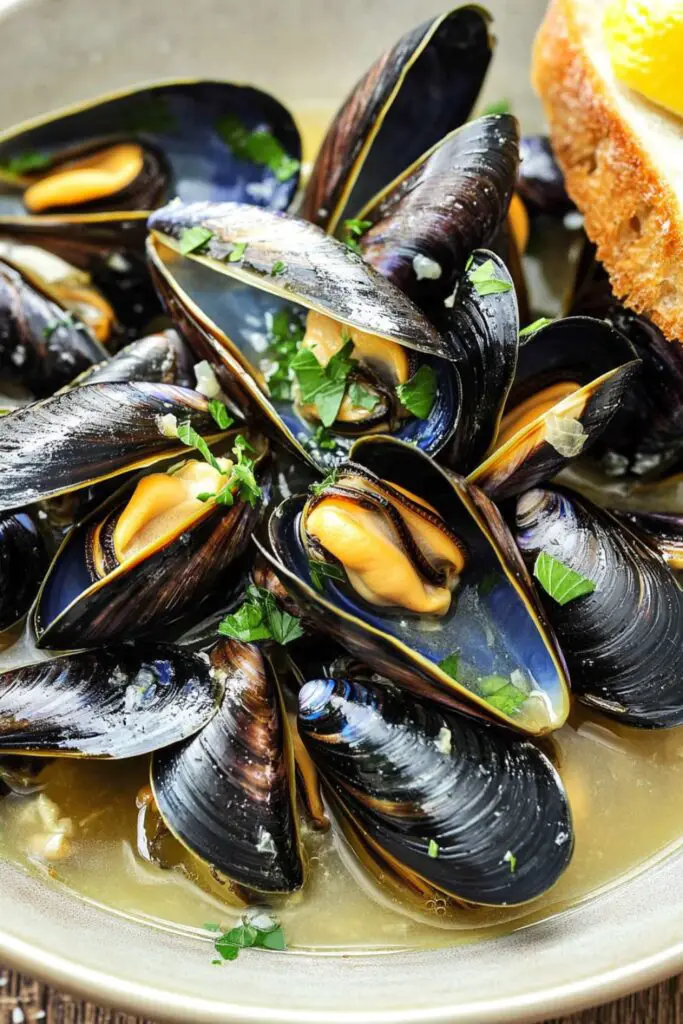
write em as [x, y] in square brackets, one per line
[220, 414]
[243, 472]
[194, 239]
[189, 436]
[260, 618]
[449, 665]
[285, 336]
[67, 320]
[258, 147]
[530, 329]
[559, 581]
[320, 570]
[501, 106]
[353, 229]
[236, 254]
[484, 279]
[323, 439]
[278, 268]
[510, 859]
[26, 163]
[501, 694]
[328, 481]
[433, 848]
[324, 386]
[362, 398]
[418, 393]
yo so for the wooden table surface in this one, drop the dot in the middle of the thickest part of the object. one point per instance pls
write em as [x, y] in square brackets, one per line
[23, 1001]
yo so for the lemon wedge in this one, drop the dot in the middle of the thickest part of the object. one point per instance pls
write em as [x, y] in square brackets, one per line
[644, 39]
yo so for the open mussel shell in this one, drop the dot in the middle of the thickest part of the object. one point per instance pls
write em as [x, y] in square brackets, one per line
[412, 96]
[663, 531]
[645, 438]
[541, 182]
[483, 330]
[228, 794]
[117, 702]
[228, 319]
[491, 637]
[624, 641]
[162, 358]
[466, 807]
[23, 561]
[93, 594]
[571, 378]
[144, 145]
[92, 433]
[41, 345]
[454, 199]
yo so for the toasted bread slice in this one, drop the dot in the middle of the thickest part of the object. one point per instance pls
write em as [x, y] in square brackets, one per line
[622, 157]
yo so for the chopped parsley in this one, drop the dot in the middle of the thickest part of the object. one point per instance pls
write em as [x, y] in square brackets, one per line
[418, 393]
[449, 665]
[502, 694]
[433, 849]
[484, 279]
[320, 570]
[353, 230]
[189, 436]
[278, 268]
[257, 147]
[501, 106]
[255, 930]
[260, 618]
[68, 321]
[220, 414]
[559, 581]
[324, 386]
[240, 475]
[328, 481]
[26, 163]
[530, 329]
[284, 338]
[194, 239]
[323, 439]
[236, 254]
[362, 398]
[510, 859]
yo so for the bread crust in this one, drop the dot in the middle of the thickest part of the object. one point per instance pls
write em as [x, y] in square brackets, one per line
[630, 212]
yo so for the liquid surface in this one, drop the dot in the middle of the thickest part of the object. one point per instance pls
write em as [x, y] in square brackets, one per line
[617, 780]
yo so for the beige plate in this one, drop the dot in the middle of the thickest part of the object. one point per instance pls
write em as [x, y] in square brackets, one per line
[307, 52]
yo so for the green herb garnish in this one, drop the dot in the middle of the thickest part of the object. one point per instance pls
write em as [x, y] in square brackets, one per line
[284, 339]
[323, 439]
[321, 570]
[189, 436]
[510, 859]
[194, 239]
[328, 481]
[485, 281]
[559, 581]
[362, 398]
[324, 386]
[418, 393]
[258, 147]
[501, 106]
[353, 229]
[433, 849]
[260, 618]
[26, 163]
[220, 414]
[530, 329]
[237, 252]
[449, 665]
[67, 320]
[278, 268]
[501, 694]
[243, 472]
[240, 477]
[211, 926]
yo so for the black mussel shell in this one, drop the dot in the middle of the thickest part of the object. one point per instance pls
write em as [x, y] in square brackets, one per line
[645, 438]
[162, 358]
[588, 354]
[494, 631]
[466, 807]
[541, 182]
[23, 561]
[411, 97]
[194, 135]
[118, 702]
[228, 794]
[624, 641]
[88, 434]
[41, 344]
[77, 608]
[420, 231]
[663, 531]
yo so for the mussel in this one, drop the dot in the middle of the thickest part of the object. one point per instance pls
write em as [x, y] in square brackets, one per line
[253, 279]
[162, 358]
[662, 530]
[23, 561]
[623, 641]
[413, 570]
[228, 794]
[571, 378]
[116, 702]
[541, 182]
[42, 346]
[382, 127]
[131, 151]
[150, 551]
[93, 433]
[463, 806]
